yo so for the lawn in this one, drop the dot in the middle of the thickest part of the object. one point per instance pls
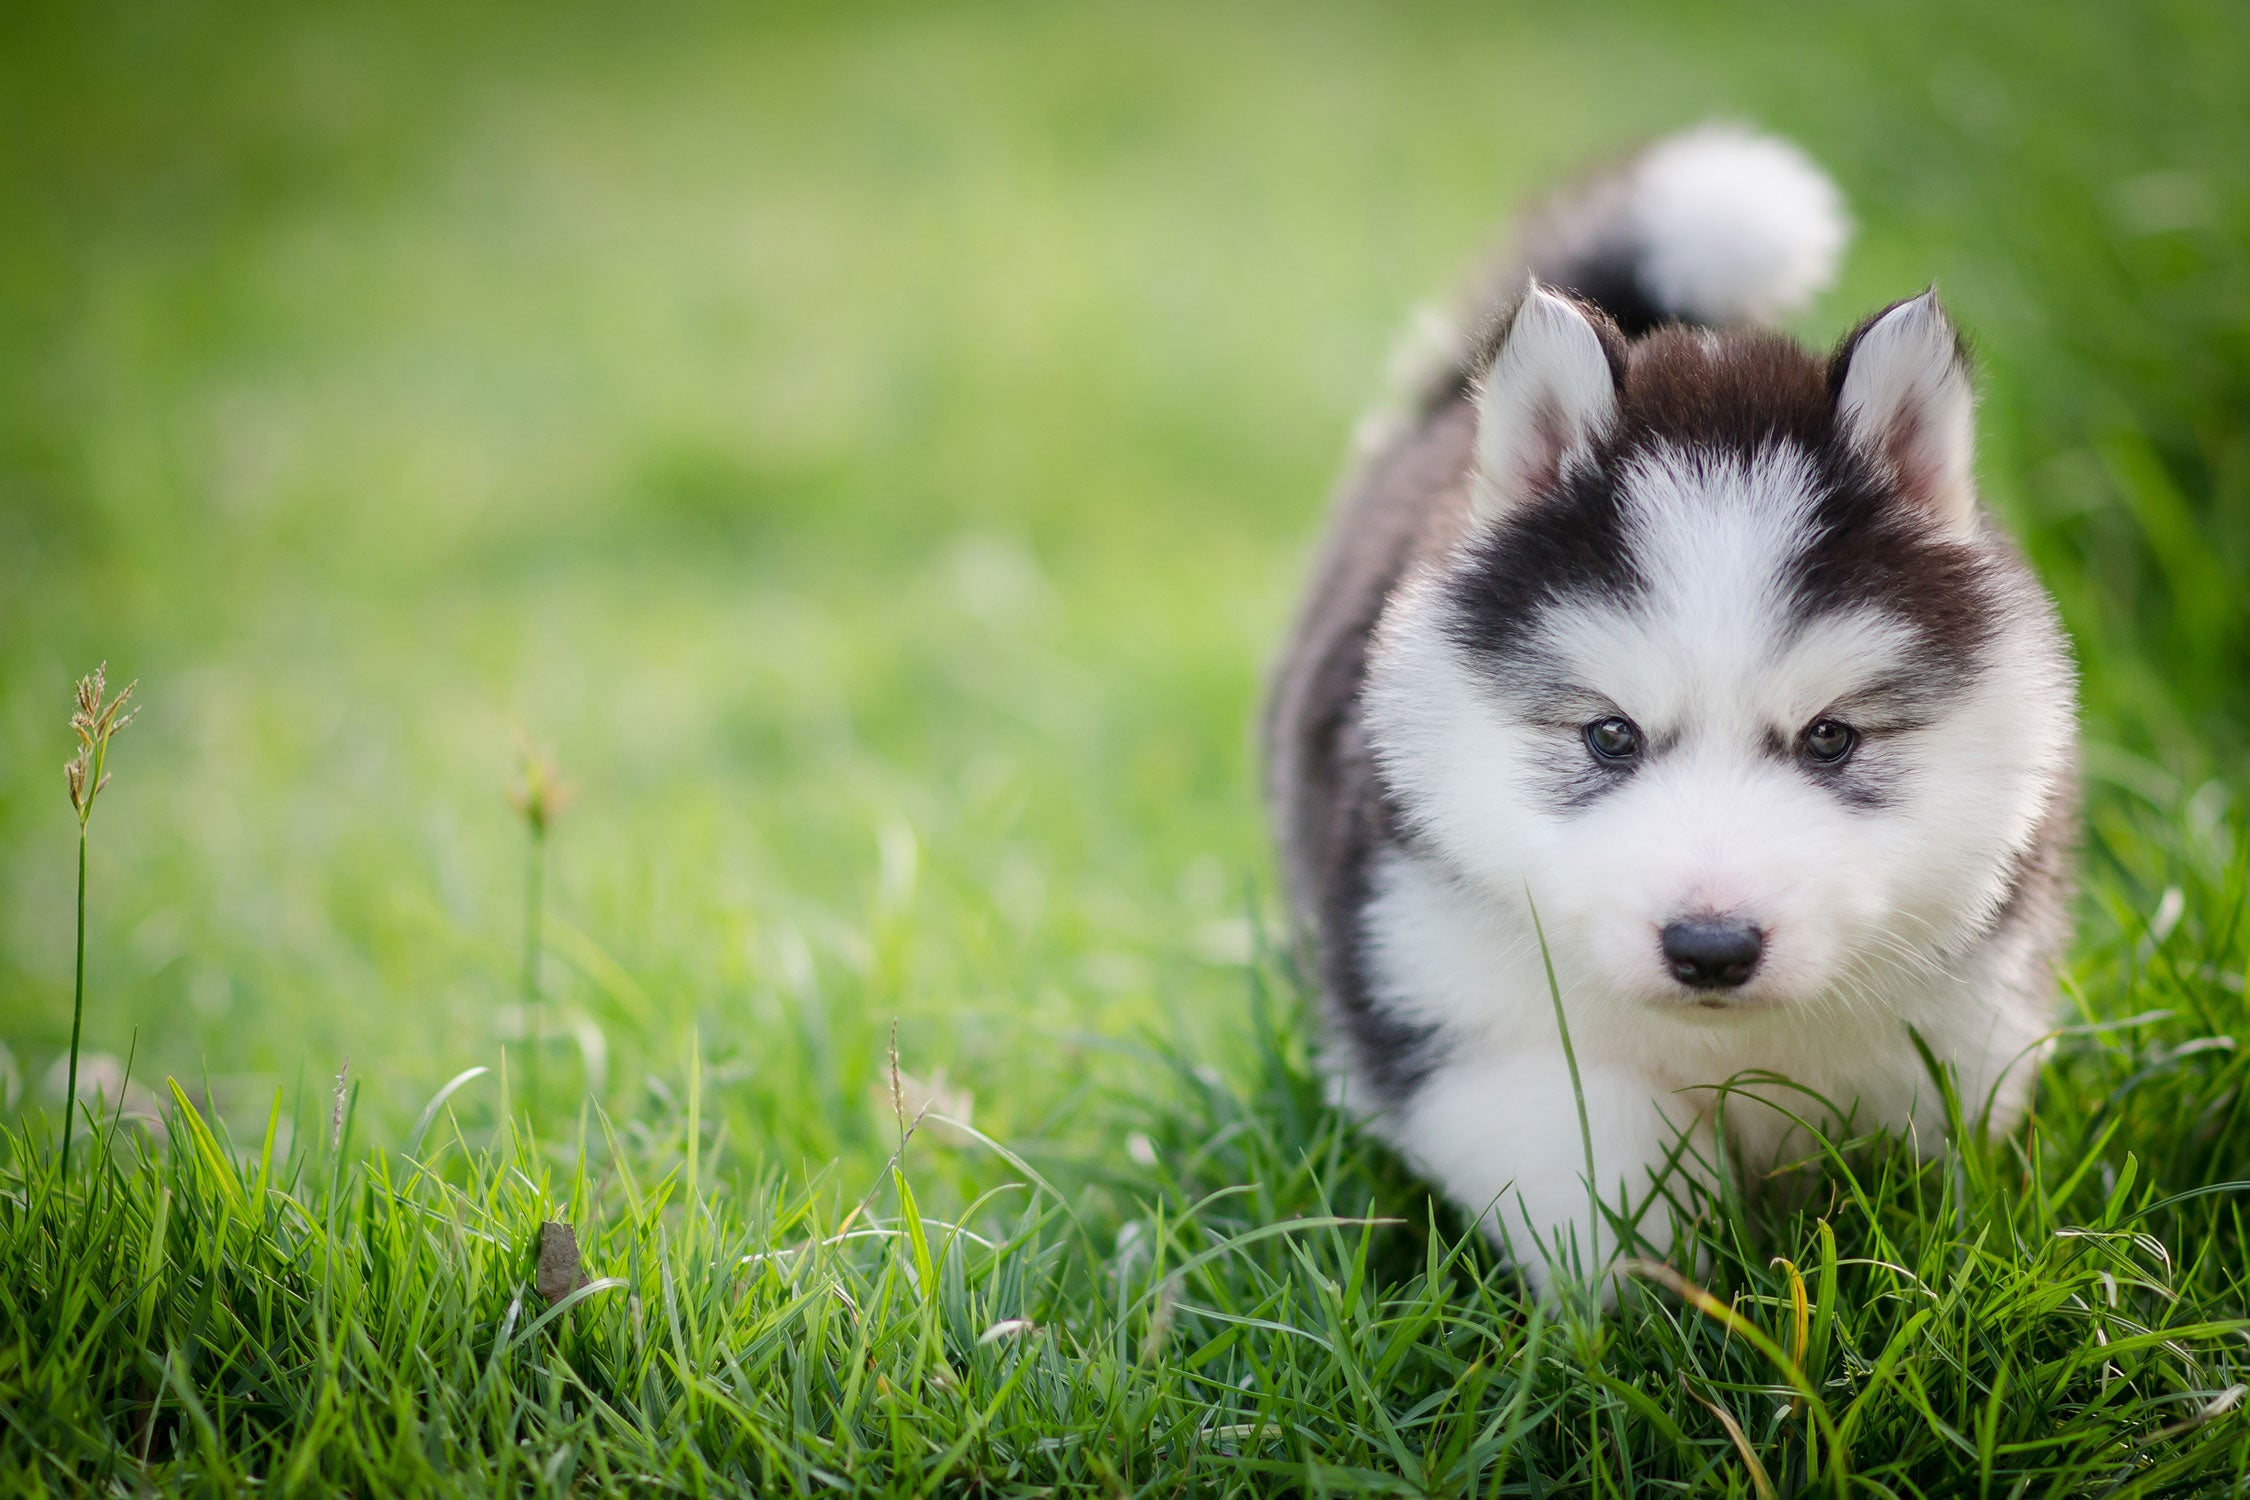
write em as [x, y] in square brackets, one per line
[874, 450]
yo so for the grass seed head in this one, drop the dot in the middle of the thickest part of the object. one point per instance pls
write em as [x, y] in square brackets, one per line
[539, 794]
[336, 1110]
[898, 1094]
[96, 723]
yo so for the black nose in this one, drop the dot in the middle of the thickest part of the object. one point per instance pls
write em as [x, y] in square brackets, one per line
[1712, 953]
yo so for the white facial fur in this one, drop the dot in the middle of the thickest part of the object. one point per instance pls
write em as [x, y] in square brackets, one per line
[1857, 904]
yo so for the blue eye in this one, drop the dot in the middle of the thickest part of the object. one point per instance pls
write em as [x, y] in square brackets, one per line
[1613, 739]
[1829, 741]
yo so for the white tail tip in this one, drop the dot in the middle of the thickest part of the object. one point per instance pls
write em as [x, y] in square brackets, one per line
[1736, 227]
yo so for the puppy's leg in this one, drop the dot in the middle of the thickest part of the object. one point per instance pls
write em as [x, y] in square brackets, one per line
[1501, 1133]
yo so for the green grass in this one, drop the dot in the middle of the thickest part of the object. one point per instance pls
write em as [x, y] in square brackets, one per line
[876, 449]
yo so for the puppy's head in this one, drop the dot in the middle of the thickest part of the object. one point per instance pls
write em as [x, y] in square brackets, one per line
[1728, 674]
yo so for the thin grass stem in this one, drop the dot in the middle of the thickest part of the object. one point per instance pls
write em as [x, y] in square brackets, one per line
[77, 1011]
[1577, 1086]
[534, 1011]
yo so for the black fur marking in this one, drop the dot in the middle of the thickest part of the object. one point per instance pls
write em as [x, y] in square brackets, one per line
[1609, 279]
[1871, 550]
[1565, 545]
[1394, 1056]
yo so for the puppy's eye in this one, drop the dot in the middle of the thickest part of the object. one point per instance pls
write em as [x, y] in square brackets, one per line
[1613, 739]
[1829, 740]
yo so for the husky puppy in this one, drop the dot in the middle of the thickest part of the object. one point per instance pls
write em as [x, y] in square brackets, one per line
[1643, 629]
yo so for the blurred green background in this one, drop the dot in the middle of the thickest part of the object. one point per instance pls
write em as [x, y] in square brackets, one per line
[876, 447]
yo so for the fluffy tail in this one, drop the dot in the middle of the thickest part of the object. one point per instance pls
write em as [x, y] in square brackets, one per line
[1714, 225]
[1717, 225]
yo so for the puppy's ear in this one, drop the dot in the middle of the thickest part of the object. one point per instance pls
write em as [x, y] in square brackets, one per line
[1547, 399]
[1903, 397]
